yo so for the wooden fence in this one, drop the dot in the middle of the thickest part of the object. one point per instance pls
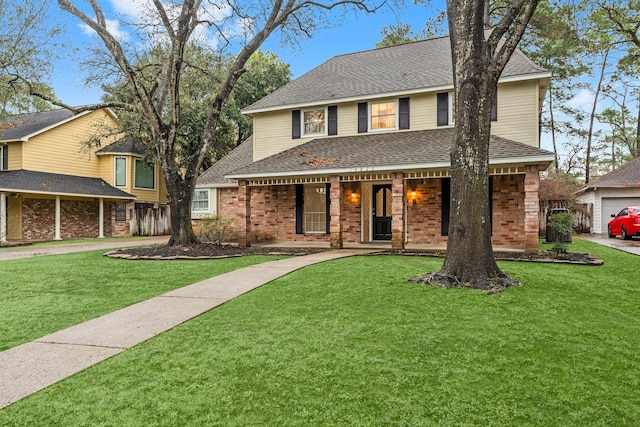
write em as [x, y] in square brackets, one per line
[150, 219]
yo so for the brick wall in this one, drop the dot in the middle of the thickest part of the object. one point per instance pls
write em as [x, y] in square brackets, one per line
[424, 218]
[38, 219]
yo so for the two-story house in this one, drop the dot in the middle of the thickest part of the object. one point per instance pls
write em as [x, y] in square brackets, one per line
[357, 150]
[53, 186]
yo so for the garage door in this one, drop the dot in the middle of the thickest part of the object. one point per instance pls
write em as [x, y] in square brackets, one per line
[613, 205]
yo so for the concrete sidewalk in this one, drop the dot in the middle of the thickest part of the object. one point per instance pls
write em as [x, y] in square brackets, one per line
[33, 366]
[630, 246]
[18, 252]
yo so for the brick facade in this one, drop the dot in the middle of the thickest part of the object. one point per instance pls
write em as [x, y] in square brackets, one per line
[272, 212]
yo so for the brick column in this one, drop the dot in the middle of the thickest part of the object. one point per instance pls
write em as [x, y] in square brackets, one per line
[244, 214]
[397, 211]
[335, 226]
[531, 209]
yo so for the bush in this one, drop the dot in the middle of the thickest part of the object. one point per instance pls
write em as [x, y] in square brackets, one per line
[215, 226]
[562, 225]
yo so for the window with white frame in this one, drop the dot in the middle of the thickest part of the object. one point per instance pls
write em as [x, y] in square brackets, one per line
[3, 166]
[200, 201]
[315, 208]
[314, 122]
[383, 115]
[121, 171]
[145, 175]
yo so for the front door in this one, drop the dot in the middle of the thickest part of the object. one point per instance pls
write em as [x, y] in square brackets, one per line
[381, 212]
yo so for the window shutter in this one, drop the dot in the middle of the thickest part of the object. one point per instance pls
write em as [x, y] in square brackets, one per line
[333, 120]
[446, 205]
[328, 206]
[363, 117]
[295, 124]
[404, 113]
[443, 109]
[494, 108]
[299, 209]
[5, 158]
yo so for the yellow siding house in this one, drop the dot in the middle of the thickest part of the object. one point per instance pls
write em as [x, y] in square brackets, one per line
[54, 186]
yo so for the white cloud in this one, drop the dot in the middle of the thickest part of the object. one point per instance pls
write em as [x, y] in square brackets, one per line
[112, 26]
[583, 100]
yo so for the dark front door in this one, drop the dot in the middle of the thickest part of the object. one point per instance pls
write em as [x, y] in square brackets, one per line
[381, 212]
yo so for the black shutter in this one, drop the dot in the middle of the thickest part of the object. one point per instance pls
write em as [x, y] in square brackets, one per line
[295, 124]
[328, 206]
[5, 157]
[363, 117]
[404, 114]
[443, 109]
[299, 209]
[333, 120]
[494, 108]
[446, 205]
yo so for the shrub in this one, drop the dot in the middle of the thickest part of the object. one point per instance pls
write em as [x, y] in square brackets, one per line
[562, 225]
[215, 226]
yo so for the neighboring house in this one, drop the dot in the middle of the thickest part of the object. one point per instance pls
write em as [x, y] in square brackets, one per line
[52, 186]
[357, 150]
[611, 193]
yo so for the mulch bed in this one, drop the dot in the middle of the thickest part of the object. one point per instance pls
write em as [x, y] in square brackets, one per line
[213, 251]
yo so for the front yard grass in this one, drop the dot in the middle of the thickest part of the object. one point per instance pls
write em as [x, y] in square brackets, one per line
[42, 295]
[351, 343]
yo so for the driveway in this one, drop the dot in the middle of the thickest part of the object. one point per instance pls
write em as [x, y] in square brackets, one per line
[631, 246]
[66, 248]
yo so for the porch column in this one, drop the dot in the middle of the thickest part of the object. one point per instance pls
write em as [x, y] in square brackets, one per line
[3, 217]
[57, 232]
[335, 226]
[101, 216]
[397, 211]
[244, 214]
[531, 209]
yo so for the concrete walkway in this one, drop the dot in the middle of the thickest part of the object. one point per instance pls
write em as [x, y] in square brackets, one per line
[630, 246]
[18, 252]
[33, 366]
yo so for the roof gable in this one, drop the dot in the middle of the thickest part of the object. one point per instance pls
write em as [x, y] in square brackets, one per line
[22, 127]
[406, 68]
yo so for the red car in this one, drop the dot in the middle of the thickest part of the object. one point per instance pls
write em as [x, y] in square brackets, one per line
[626, 224]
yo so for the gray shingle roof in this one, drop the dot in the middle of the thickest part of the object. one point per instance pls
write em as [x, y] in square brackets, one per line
[125, 145]
[53, 183]
[382, 151]
[627, 175]
[403, 68]
[22, 125]
[239, 157]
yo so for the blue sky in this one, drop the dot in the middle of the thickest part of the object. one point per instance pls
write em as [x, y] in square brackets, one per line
[355, 35]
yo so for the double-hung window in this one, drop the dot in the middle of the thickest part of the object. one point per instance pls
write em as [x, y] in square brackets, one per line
[200, 201]
[121, 171]
[145, 175]
[314, 122]
[4, 158]
[383, 115]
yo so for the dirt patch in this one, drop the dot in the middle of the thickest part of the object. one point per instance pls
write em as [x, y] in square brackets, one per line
[202, 251]
[213, 250]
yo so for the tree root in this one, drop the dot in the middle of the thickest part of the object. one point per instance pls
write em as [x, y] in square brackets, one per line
[490, 285]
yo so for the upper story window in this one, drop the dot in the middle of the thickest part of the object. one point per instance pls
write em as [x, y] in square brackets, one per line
[383, 115]
[121, 171]
[446, 109]
[4, 158]
[314, 122]
[145, 175]
[200, 201]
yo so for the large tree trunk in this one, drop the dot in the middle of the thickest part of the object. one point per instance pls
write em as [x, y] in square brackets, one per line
[469, 252]
[180, 199]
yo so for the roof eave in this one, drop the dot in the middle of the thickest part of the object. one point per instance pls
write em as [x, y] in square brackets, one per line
[54, 193]
[541, 159]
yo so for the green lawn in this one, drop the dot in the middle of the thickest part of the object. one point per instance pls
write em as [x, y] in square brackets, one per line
[351, 343]
[42, 295]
